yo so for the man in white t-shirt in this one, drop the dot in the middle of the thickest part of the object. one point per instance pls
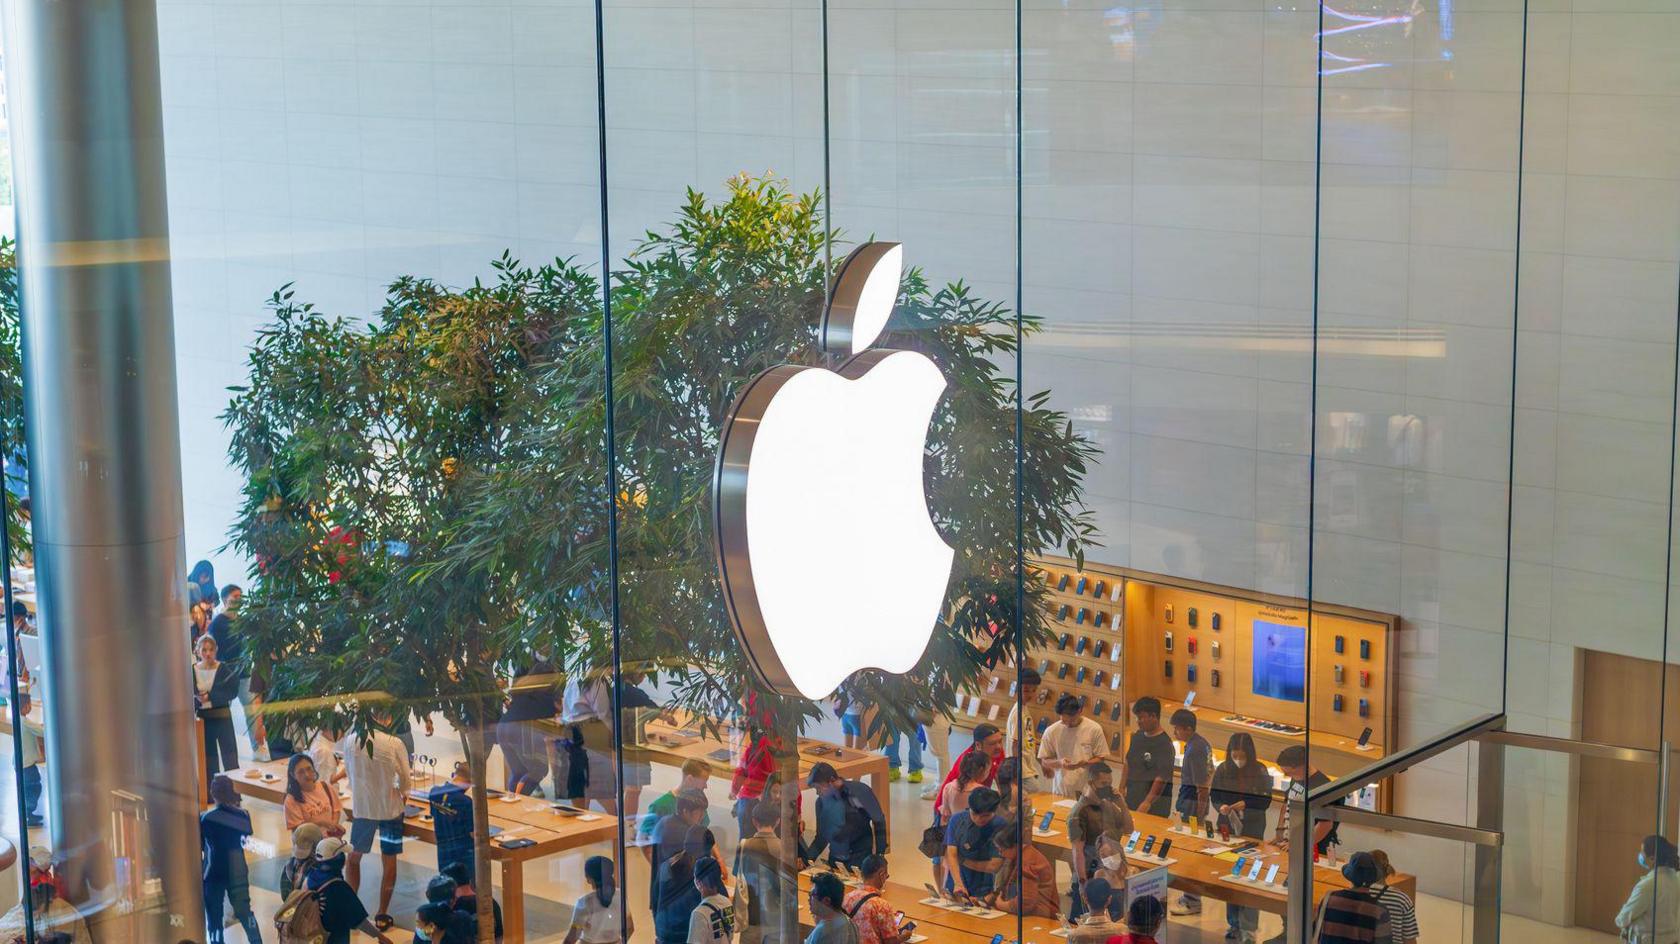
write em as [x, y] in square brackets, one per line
[378, 766]
[1020, 736]
[1069, 747]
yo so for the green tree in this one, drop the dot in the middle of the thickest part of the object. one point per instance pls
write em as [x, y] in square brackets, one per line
[12, 444]
[729, 289]
[355, 441]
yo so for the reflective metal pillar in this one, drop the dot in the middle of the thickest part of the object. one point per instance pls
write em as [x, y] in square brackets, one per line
[104, 448]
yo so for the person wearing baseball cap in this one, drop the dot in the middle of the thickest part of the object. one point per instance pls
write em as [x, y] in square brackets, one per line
[850, 824]
[341, 911]
[988, 741]
[304, 840]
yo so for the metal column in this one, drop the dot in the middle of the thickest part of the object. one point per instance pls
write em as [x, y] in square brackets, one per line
[105, 468]
[1490, 816]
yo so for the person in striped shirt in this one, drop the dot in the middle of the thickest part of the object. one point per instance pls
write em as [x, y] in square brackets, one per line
[1402, 916]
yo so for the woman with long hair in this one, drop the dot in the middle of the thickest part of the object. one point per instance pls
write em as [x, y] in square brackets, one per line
[309, 800]
[201, 585]
[1241, 793]
[595, 917]
[215, 685]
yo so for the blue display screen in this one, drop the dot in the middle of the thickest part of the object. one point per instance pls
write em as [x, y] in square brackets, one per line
[1280, 661]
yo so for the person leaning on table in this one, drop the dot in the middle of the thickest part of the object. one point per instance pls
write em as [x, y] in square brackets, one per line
[1651, 914]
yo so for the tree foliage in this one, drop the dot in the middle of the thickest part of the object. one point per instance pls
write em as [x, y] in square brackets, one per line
[426, 494]
[11, 398]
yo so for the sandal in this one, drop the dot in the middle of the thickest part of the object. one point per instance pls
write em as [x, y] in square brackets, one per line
[383, 922]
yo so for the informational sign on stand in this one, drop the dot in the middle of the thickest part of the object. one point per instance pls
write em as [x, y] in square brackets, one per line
[1153, 883]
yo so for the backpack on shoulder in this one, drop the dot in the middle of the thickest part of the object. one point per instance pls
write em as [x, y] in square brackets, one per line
[299, 920]
[1351, 916]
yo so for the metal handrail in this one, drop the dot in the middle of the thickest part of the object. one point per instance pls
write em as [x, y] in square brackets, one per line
[1398, 763]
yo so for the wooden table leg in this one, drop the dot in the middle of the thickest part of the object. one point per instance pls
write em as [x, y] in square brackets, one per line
[513, 900]
[879, 782]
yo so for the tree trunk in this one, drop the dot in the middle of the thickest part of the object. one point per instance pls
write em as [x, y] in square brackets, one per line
[478, 762]
[787, 783]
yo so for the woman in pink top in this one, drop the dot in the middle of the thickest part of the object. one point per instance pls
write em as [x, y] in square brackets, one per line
[971, 775]
[308, 800]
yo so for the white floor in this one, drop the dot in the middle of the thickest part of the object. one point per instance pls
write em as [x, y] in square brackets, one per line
[559, 879]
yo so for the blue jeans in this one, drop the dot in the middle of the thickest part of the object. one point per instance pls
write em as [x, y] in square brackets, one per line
[915, 751]
[238, 894]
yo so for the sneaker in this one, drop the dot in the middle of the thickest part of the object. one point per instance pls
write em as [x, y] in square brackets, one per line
[1185, 906]
[1233, 934]
[915, 776]
[893, 776]
[929, 793]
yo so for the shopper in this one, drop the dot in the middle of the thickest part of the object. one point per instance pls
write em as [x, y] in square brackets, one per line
[304, 840]
[1026, 882]
[436, 923]
[1069, 746]
[199, 621]
[1303, 779]
[680, 842]
[1651, 914]
[1113, 868]
[230, 642]
[341, 911]
[828, 895]
[972, 769]
[1194, 787]
[1020, 735]
[875, 919]
[850, 823]
[532, 701]
[971, 855]
[30, 753]
[763, 867]
[584, 765]
[696, 773]
[899, 736]
[379, 768]
[599, 917]
[850, 709]
[1096, 926]
[1149, 761]
[1241, 793]
[308, 800]
[988, 743]
[1402, 914]
[1097, 813]
[215, 685]
[440, 892]
[713, 919]
[1143, 920]
[466, 895]
[1016, 804]
[201, 585]
[223, 829]
[1354, 915]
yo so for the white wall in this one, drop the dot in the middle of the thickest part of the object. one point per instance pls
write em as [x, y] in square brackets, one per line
[1170, 170]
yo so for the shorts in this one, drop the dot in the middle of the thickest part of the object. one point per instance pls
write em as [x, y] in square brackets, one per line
[390, 835]
[637, 773]
[852, 724]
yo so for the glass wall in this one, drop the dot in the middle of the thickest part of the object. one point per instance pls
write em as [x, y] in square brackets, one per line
[1217, 382]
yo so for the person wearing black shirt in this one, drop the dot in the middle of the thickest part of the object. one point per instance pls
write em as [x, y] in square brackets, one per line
[466, 896]
[531, 701]
[341, 911]
[1241, 794]
[1304, 779]
[1149, 761]
[850, 824]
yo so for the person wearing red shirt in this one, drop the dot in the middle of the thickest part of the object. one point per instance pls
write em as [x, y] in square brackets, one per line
[987, 739]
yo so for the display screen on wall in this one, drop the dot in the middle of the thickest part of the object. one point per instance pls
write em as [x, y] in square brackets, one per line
[1280, 661]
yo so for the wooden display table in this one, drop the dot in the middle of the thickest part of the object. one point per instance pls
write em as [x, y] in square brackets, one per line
[939, 925]
[524, 818]
[1198, 867]
[668, 744]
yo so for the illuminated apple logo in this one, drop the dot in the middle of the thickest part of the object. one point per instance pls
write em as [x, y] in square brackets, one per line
[829, 560]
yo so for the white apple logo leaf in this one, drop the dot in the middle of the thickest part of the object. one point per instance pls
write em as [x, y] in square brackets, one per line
[829, 560]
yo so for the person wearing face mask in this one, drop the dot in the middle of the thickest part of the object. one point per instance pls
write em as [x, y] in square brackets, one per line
[1240, 795]
[1651, 914]
[436, 923]
[1098, 811]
